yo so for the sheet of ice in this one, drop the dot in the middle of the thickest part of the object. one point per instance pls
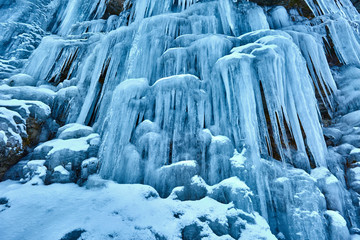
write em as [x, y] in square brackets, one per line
[184, 88]
[239, 17]
[283, 103]
[327, 7]
[278, 17]
[346, 41]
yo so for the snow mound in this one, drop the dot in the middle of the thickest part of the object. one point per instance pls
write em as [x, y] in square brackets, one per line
[122, 212]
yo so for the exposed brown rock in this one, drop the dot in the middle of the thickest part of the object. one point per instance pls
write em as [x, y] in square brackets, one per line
[114, 7]
[8, 158]
[356, 4]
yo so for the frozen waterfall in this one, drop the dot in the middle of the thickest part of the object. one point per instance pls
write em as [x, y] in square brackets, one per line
[193, 97]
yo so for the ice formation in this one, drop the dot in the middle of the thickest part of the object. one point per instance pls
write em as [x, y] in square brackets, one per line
[223, 100]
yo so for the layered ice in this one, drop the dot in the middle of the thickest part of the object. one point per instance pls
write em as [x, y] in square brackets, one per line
[202, 100]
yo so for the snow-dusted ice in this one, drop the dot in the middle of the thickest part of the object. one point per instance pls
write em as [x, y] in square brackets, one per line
[187, 119]
[122, 212]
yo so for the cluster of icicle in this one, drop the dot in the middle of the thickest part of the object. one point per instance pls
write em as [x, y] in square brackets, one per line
[180, 86]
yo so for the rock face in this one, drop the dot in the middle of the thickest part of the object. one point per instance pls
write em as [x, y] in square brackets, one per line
[23, 125]
[356, 4]
[114, 7]
[70, 157]
[253, 104]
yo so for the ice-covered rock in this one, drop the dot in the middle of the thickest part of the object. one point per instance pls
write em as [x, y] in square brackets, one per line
[88, 167]
[28, 93]
[21, 80]
[348, 80]
[233, 190]
[332, 136]
[337, 226]
[251, 16]
[354, 178]
[278, 17]
[198, 99]
[74, 131]
[23, 124]
[332, 189]
[59, 175]
[34, 168]
[302, 208]
[75, 144]
[174, 175]
[354, 155]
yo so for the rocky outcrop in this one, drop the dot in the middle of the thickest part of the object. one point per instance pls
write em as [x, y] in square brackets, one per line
[70, 157]
[114, 7]
[23, 124]
[25, 118]
[356, 4]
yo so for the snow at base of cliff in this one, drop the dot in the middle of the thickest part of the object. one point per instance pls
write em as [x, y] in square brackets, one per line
[107, 210]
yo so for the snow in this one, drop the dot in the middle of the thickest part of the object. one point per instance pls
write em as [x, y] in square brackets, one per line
[34, 172]
[61, 170]
[337, 219]
[74, 131]
[71, 144]
[337, 228]
[234, 181]
[75, 143]
[38, 109]
[355, 150]
[188, 163]
[238, 160]
[197, 99]
[123, 211]
[88, 167]
[3, 138]
[35, 163]
[13, 128]
[21, 80]
[29, 93]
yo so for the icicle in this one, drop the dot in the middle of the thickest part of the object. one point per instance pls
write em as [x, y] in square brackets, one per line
[127, 107]
[329, 7]
[79, 10]
[346, 41]
[241, 17]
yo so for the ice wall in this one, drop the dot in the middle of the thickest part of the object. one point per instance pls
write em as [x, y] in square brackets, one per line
[343, 8]
[180, 88]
